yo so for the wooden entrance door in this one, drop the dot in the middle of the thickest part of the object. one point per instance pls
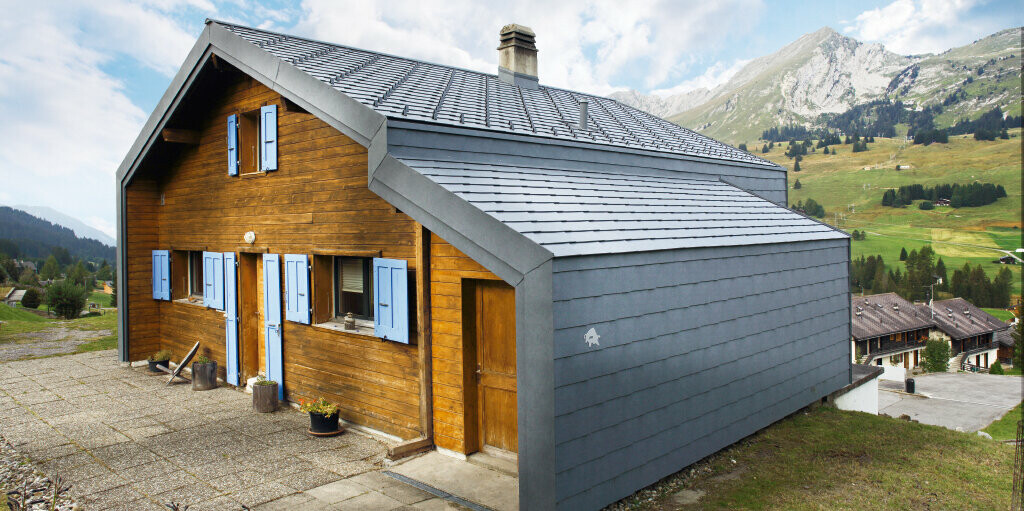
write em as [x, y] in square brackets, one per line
[250, 289]
[496, 365]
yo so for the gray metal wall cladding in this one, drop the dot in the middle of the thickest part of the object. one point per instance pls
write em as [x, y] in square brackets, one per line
[698, 348]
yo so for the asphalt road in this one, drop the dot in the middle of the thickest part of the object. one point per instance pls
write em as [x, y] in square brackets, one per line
[967, 401]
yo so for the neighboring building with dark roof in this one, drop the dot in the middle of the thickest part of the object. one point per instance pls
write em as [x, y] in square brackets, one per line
[475, 262]
[970, 331]
[888, 330]
[1006, 344]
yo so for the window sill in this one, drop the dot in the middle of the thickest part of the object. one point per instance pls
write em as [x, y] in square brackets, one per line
[258, 173]
[363, 328]
[195, 302]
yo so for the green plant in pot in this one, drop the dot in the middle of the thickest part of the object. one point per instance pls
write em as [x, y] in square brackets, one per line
[264, 395]
[204, 373]
[161, 358]
[323, 416]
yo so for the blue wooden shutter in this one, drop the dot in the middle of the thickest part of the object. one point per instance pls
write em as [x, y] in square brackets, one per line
[272, 320]
[213, 280]
[391, 299]
[161, 275]
[232, 145]
[296, 288]
[268, 137]
[230, 319]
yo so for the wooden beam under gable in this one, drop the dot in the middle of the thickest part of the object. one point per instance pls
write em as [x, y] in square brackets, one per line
[180, 136]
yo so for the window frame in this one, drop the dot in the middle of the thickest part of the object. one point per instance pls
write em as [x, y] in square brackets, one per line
[337, 314]
[195, 274]
[249, 141]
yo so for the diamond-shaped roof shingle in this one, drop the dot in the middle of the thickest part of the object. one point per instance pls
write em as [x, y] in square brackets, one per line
[413, 90]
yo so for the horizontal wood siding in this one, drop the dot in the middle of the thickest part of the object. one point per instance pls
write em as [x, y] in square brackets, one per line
[140, 239]
[317, 202]
[698, 349]
[448, 268]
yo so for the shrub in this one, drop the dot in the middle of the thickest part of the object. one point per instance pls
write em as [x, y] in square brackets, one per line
[32, 298]
[936, 357]
[926, 205]
[262, 380]
[160, 356]
[202, 359]
[66, 299]
[996, 368]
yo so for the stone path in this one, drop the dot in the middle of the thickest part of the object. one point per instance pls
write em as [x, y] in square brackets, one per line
[51, 341]
[126, 441]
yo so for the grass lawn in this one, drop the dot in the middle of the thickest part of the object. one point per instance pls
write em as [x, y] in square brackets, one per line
[101, 298]
[830, 459]
[1006, 427]
[1012, 371]
[851, 185]
[1000, 314]
[19, 322]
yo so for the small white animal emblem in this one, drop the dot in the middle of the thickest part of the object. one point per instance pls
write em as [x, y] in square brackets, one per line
[591, 338]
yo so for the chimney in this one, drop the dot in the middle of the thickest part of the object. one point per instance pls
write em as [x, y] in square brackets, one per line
[517, 56]
[583, 115]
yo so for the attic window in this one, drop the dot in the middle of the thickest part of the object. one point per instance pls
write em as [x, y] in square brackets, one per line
[248, 142]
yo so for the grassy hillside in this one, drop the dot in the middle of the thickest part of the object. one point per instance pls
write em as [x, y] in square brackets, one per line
[850, 185]
[8, 314]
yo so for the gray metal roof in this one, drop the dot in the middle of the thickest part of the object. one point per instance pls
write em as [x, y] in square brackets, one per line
[960, 319]
[409, 89]
[574, 212]
[885, 314]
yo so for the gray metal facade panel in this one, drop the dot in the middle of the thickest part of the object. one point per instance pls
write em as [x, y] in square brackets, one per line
[579, 212]
[698, 349]
[408, 89]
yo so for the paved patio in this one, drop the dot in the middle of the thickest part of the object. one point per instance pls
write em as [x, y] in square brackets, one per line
[127, 441]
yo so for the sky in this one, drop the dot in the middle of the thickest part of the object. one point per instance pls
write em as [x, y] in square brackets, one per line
[78, 79]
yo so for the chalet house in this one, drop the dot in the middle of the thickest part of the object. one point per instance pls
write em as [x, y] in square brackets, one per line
[888, 331]
[970, 331]
[1005, 345]
[475, 262]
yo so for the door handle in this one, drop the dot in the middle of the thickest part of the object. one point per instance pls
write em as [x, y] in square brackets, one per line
[382, 304]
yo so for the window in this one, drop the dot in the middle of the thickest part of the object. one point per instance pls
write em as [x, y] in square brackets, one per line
[248, 142]
[353, 288]
[195, 274]
[252, 141]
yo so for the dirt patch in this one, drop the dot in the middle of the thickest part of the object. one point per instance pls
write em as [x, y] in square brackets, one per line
[51, 341]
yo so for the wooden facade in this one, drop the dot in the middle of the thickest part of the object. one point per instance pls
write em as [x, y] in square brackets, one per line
[317, 203]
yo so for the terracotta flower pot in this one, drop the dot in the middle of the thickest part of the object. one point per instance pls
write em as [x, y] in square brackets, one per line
[204, 376]
[264, 398]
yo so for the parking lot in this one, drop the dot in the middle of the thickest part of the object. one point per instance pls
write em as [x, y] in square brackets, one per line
[965, 401]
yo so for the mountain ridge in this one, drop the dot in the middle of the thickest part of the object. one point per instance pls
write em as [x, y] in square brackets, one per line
[81, 229]
[825, 72]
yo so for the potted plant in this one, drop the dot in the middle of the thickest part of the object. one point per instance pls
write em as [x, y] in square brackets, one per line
[323, 417]
[264, 395]
[161, 358]
[204, 373]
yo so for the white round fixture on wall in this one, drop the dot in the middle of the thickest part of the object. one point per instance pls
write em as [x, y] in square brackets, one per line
[249, 237]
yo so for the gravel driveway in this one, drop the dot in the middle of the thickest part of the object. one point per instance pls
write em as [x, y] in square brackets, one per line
[51, 341]
[965, 401]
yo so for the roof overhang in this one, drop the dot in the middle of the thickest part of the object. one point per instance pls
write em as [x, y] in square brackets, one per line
[497, 247]
[347, 115]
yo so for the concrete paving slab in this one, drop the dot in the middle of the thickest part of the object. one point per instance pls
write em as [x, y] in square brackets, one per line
[964, 401]
[474, 483]
[369, 501]
[337, 491]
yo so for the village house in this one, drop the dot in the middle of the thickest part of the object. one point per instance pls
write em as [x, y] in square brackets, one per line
[888, 331]
[970, 331]
[476, 263]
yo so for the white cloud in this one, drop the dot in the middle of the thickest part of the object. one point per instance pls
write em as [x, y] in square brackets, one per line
[595, 45]
[68, 123]
[919, 26]
[715, 75]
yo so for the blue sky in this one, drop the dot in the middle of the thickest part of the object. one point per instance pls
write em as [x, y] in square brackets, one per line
[78, 79]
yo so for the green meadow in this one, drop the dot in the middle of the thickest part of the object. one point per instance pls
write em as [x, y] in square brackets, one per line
[850, 186]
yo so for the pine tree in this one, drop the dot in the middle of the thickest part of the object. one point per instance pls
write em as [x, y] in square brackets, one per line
[825, 150]
[903, 254]
[113, 294]
[796, 166]
[940, 271]
[764, 149]
[797, 185]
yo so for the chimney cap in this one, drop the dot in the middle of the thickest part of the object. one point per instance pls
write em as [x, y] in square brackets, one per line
[517, 56]
[515, 28]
